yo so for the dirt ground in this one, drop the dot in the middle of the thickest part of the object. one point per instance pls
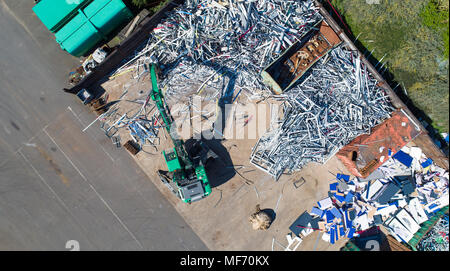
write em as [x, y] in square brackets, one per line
[221, 220]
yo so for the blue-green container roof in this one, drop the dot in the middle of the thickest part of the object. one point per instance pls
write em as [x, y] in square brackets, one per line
[53, 13]
[80, 25]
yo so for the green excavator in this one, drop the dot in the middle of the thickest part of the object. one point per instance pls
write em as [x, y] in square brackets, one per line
[186, 163]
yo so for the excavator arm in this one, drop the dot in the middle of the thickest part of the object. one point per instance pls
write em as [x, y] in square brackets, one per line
[158, 97]
[192, 182]
[176, 158]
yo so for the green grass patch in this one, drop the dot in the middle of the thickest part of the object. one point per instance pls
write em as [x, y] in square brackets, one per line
[435, 15]
[159, 6]
[413, 37]
[151, 5]
[141, 3]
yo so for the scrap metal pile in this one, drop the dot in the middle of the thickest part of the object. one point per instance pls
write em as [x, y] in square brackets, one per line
[233, 39]
[437, 238]
[142, 122]
[337, 101]
[409, 191]
[215, 49]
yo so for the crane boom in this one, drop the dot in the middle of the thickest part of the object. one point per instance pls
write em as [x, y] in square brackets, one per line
[189, 175]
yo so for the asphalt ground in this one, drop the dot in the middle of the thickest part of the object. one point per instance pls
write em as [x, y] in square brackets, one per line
[58, 183]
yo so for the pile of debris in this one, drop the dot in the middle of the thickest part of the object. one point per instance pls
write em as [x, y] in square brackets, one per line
[142, 122]
[214, 49]
[180, 84]
[402, 199]
[437, 238]
[337, 101]
[233, 38]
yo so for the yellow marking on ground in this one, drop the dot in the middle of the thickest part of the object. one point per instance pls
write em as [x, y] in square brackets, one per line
[54, 166]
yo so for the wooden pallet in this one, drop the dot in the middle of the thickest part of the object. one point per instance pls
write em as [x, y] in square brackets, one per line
[131, 147]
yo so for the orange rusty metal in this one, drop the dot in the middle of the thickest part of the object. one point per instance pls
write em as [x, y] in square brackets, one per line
[364, 154]
[282, 73]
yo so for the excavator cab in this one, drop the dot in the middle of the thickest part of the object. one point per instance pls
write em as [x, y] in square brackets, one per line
[172, 160]
[188, 179]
